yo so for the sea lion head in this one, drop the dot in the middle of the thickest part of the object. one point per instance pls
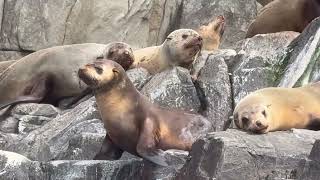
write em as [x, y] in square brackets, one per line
[121, 53]
[252, 118]
[101, 73]
[182, 46]
[212, 33]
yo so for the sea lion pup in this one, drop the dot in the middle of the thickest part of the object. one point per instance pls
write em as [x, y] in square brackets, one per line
[179, 49]
[212, 33]
[133, 123]
[284, 15]
[49, 75]
[275, 108]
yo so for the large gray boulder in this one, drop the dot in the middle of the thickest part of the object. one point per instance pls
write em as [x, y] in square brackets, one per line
[238, 15]
[173, 88]
[38, 24]
[11, 55]
[52, 140]
[302, 60]
[259, 62]
[309, 168]
[237, 155]
[214, 87]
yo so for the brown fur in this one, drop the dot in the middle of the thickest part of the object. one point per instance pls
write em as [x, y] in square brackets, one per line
[134, 124]
[273, 109]
[284, 15]
[212, 33]
[179, 49]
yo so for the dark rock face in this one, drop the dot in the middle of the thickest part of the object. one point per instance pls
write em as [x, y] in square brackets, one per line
[309, 167]
[214, 88]
[259, 62]
[303, 58]
[234, 154]
[173, 89]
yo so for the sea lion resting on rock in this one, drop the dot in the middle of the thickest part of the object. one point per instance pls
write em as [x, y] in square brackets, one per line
[179, 49]
[284, 15]
[275, 108]
[50, 74]
[134, 124]
[212, 33]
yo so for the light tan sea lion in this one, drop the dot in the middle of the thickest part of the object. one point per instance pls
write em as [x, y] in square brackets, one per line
[212, 33]
[275, 108]
[179, 49]
[284, 15]
[50, 74]
[133, 123]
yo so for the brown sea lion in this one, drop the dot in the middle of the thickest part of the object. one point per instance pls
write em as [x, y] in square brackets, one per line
[275, 108]
[50, 74]
[284, 15]
[179, 49]
[133, 123]
[212, 33]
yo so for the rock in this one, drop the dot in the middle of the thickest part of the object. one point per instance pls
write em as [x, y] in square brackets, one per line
[264, 2]
[173, 88]
[53, 139]
[32, 116]
[235, 154]
[139, 77]
[302, 61]
[11, 55]
[259, 62]
[18, 167]
[238, 15]
[33, 25]
[309, 168]
[214, 89]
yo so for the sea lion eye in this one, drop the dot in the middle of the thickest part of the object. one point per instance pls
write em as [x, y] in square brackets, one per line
[169, 38]
[98, 69]
[184, 36]
[264, 113]
[245, 121]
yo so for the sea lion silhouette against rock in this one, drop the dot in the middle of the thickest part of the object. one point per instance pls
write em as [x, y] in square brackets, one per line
[133, 123]
[50, 74]
[212, 33]
[284, 15]
[275, 108]
[179, 49]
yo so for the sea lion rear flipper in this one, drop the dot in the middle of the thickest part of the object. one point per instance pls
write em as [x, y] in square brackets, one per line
[146, 146]
[35, 91]
[108, 151]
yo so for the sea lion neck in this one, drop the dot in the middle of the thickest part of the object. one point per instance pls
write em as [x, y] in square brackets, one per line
[121, 96]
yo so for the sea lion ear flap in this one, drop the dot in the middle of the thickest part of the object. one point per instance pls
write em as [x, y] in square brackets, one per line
[115, 70]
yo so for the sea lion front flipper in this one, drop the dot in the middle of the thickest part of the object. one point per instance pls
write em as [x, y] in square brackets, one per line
[146, 146]
[108, 151]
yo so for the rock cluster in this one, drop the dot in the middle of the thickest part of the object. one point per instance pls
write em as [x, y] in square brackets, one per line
[40, 141]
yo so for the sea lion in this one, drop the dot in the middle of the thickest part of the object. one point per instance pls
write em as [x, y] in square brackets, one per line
[133, 123]
[179, 49]
[50, 74]
[284, 15]
[212, 33]
[5, 64]
[275, 108]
